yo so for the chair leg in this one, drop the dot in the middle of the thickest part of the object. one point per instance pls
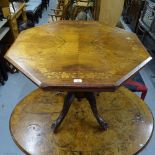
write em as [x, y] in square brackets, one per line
[143, 95]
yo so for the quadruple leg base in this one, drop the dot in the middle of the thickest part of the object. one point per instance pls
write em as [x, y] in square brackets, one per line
[79, 95]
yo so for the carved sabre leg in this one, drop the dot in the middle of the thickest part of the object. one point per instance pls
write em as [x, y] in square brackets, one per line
[92, 101]
[67, 103]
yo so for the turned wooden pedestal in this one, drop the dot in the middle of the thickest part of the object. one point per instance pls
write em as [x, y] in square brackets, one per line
[129, 119]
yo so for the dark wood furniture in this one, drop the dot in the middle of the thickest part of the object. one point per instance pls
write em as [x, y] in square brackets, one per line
[4, 34]
[96, 14]
[3, 73]
[3, 67]
[132, 11]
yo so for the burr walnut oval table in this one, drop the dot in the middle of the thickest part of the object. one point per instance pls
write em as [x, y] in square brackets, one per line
[80, 58]
[130, 124]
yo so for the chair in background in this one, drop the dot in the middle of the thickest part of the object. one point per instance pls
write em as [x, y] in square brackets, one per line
[81, 5]
[136, 84]
[60, 4]
[61, 14]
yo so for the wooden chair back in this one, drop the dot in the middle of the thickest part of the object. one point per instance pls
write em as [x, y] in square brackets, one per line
[60, 4]
[83, 2]
[65, 11]
[110, 11]
[61, 14]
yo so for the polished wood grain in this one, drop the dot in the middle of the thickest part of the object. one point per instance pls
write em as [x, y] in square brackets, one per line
[130, 125]
[78, 55]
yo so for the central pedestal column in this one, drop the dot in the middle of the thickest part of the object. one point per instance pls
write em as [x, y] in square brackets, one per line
[90, 96]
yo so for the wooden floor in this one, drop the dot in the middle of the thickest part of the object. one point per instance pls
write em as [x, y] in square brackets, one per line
[130, 125]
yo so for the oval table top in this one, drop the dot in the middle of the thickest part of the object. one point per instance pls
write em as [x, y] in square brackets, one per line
[130, 125]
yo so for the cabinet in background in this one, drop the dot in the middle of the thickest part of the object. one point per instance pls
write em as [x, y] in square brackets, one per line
[132, 12]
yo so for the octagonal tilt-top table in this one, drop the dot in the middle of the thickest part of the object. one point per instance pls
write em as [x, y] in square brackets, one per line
[81, 58]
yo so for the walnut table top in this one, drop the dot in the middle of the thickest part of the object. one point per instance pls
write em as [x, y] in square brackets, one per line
[78, 55]
[129, 118]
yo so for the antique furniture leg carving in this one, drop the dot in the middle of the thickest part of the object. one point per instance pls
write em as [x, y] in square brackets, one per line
[92, 101]
[79, 95]
[67, 103]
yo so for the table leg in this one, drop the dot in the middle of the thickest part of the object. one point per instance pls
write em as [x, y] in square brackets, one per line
[92, 101]
[67, 103]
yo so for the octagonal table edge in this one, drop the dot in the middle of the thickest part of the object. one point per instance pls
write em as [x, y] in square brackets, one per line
[132, 72]
[26, 73]
[78, 87]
